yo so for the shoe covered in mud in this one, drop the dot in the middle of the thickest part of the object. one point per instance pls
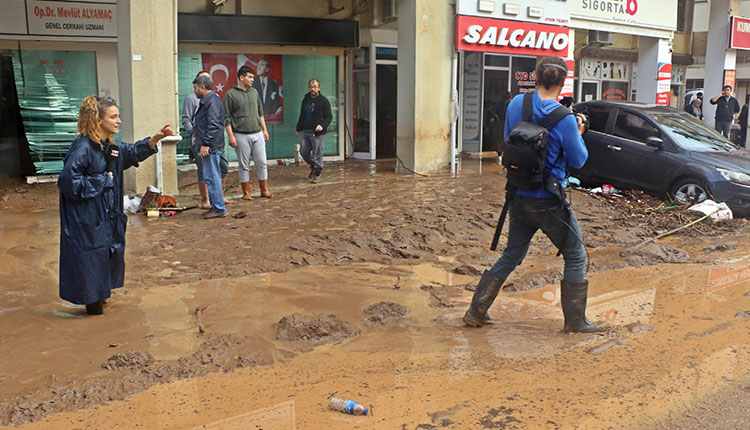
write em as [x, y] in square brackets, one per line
[312, 173]
[95, 308]
[573, 298]
[487, 288]
[315, 178]
[213, 213]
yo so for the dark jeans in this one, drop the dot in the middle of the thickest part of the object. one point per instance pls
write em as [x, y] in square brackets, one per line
[724, 127]
[529, 214]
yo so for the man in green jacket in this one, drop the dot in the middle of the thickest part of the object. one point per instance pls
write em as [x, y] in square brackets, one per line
[247, 130]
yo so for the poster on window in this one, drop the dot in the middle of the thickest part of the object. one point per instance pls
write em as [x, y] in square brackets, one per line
[268, 80]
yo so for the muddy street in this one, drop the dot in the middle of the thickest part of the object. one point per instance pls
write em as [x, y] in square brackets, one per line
[354, 287]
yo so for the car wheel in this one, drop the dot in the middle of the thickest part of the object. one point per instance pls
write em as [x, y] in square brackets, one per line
[690, 190]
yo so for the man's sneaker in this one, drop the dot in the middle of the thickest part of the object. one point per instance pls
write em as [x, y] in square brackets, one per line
[312, 173]
[213, 213]
[315, 178]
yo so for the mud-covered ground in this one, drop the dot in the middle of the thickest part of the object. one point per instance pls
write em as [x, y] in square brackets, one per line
[354, 287]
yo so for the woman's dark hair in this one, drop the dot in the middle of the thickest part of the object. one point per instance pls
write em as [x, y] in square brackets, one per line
[551, 72]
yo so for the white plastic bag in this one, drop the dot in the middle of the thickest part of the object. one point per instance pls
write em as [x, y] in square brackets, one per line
[130, 206]
[718, 211]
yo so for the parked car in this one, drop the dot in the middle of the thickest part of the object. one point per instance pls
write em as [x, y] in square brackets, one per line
[664, 152]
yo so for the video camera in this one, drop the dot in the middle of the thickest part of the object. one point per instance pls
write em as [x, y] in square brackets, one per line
[583, 110]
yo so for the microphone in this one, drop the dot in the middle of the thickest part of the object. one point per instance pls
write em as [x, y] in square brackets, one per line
[113, 154]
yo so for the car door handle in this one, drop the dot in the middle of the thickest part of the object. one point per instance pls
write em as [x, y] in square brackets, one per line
[614, 148]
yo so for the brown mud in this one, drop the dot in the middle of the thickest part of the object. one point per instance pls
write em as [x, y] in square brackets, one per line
[355, 287]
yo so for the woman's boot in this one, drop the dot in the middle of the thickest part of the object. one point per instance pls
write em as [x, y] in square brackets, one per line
[573, 298]
[487, 288]
[263, 183]
[95, 308]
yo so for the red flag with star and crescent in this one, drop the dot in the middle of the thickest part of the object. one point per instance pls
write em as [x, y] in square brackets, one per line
[268, 79]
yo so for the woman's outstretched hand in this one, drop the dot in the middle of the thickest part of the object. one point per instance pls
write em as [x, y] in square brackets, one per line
[161, 134]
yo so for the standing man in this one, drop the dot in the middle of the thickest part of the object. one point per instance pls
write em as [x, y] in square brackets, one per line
[532, 209]
[726, 107]
[209, 137]
[247, 131]
[314, 119]
[743, 121]
[189, 107]
[268, 89]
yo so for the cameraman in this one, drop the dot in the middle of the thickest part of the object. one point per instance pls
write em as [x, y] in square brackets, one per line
[541, 210]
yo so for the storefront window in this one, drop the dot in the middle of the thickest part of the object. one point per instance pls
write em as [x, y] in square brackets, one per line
[51, 86]
[522, 77]
[289, 73]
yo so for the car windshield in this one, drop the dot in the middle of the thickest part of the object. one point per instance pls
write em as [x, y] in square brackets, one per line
[691, 134]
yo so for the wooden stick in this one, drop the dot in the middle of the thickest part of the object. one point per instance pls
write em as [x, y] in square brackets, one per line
[654, 239]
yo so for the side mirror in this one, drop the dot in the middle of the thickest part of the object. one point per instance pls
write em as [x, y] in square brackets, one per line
[654, 142]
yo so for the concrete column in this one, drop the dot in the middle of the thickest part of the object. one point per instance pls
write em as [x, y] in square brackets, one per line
[147, 70]
[718, 56]
[651, 52]
[424, 85]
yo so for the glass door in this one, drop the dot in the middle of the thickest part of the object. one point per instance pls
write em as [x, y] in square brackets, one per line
[495, 101]
[589, 91]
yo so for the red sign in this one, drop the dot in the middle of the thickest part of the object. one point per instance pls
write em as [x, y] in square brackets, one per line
[510, 37]
[739, 36]
[567, 89]
[663, 83]
[730, 76]
[223, 70]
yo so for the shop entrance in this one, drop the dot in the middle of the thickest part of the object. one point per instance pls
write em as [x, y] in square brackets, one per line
[11, 125]
[374, 109]
[496, 97]
[385, 138]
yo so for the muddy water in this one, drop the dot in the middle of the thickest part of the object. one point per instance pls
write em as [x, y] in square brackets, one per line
[192, 340]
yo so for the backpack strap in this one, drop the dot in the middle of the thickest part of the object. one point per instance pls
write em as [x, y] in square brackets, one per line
[554, 117]
[528, 107]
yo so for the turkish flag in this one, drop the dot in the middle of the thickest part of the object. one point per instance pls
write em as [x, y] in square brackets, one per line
[268, 79]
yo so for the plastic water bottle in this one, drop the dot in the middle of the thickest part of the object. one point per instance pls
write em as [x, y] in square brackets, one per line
[348, 406]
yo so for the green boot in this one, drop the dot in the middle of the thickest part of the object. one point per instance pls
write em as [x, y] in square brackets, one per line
[573, 298]
[487, 288]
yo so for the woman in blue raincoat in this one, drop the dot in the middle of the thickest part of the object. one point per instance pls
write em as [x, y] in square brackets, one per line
[92, 221]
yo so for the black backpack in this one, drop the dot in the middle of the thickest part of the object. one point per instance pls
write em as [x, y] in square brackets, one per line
[525, 154]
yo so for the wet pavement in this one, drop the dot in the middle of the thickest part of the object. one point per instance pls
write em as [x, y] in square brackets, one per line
[193, 339]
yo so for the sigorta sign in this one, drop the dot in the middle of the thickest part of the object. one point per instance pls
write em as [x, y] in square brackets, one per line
[510, 37]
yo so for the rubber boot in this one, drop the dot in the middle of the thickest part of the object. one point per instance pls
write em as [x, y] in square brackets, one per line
[245, 190]
[224, 190]
[203, 190]
[487, 288]
[573, 298]
[263, 183]
[95, 308]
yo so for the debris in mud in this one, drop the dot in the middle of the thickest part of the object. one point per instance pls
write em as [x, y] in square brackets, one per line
[500, 418]
[467, 270]
[384, 313]
[440, 301]
[605, 346]
[639, 328]
[653, 254]
[743, 314]
[316, 329]
[131, 360]
[719, 248]
[239, 215]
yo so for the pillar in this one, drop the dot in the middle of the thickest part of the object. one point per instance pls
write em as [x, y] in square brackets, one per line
[147, 67]
[424, 85]
[718, 55]
[652, 52]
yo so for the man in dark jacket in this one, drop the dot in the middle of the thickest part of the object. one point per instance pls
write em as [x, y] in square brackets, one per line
[314, 119]
[209, 136]
[726, 107]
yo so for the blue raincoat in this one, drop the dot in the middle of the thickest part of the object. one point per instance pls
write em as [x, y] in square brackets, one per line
[92, 221]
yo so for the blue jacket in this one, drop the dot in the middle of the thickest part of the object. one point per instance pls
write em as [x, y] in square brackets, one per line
[562, 137]
[92, 222]
[208, 124]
